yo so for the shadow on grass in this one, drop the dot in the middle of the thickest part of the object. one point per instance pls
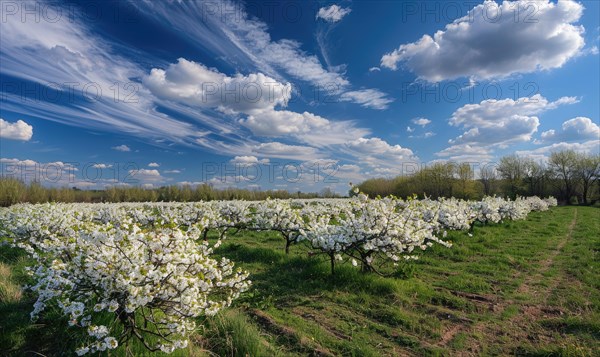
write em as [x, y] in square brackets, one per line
[19, 336]
[296, 277]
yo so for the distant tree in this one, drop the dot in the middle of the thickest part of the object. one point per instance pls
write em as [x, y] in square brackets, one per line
[563, 166]
[588, 172]
[535, 177]
[11, 191]
[438, 179]
[464, 181]
[488, 177]
[512, 170]
[327, 192]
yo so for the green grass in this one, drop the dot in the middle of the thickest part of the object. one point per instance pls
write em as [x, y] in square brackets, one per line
[504, 291]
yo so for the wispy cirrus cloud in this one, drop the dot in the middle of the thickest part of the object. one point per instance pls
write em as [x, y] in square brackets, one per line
[64, 58]
[368, 98]
[226, 29]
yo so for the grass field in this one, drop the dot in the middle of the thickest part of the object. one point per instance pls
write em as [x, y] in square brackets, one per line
[526, 288]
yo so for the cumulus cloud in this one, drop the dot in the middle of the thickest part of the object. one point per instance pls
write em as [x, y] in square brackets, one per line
[123, 148]
[146, 176]
[379, 158]
[465, 153]
[248, 160]
[197, 85]
[49, 53]
[283, 122]
[246, 40]
[153, 164]
[421, 121]
[42, 165]
[542, 153]
[241, 37]
[102, 166]
[172, 171]
[368, 98]
[501, 122]
[55, 174]
[19, 130]
[333, 13]
[257, 98]
[285, 151]
[576, 129]
[378, 148]
[489, 43]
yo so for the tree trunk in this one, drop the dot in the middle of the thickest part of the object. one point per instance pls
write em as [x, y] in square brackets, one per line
[332, 258]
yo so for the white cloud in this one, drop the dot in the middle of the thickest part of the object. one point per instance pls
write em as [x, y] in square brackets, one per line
[44, 165]
[502, 122]
[542, 153]
[349, 172]
[409, 129]
[368, 98]
[421, 121]
[283, 122]
[172, 171]
[465, 153]
[192, 183]
[426, 135]
[19, 130]
[55, 174]
[333, 13]
[489, 43]
[245, 40]
[153, 164]
[123, 148]
[102, 166]
[285, 151]
[373, 145]
[374, 149]
[576, 129]
[256, 96]
[197, 85]
[374, 69]
[68, 55]
[247, 160]
[145, 176]
[232, 33]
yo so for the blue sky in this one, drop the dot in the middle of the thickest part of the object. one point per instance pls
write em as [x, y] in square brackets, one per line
[294, 95]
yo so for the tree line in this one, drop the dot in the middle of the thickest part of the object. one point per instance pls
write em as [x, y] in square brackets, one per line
[569, 176]
[15, 191]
